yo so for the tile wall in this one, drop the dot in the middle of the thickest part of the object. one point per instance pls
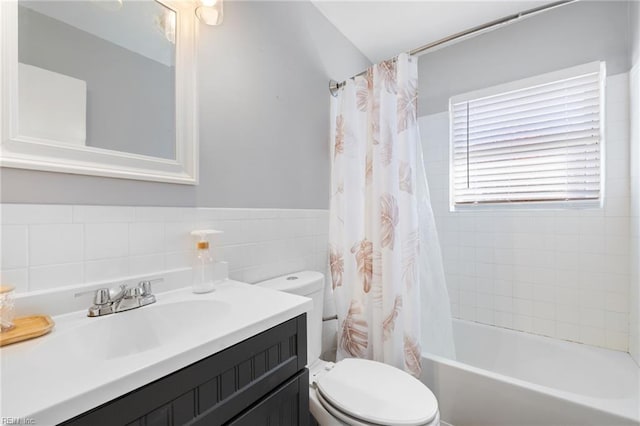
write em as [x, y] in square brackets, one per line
[47, 246]
[558, 273]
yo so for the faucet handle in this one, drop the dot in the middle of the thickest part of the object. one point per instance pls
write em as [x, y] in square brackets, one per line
[134, 292]
[146, 286]
[101, 297]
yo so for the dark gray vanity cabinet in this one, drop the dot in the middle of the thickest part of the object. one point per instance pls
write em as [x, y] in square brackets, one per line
[260, 381]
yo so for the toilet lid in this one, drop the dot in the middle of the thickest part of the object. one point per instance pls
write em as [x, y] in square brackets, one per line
[377, 393]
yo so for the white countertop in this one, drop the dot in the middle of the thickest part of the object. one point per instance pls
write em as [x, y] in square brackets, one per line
[81, 364]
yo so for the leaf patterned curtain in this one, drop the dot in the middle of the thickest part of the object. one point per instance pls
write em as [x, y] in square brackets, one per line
[374, 217]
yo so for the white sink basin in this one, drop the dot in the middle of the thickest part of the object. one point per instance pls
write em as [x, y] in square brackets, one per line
[85, 362]
[133, 332]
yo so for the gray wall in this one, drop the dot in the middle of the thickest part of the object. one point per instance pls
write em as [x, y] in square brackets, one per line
[564, 37]
[130, 98]
[264, 114]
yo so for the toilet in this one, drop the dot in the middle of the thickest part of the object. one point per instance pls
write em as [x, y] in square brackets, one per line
[355, 392]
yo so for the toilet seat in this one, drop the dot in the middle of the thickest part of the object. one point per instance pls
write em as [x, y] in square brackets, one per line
[362, 392]
[351, 421]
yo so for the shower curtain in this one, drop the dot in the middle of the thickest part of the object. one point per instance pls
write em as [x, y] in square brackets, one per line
[384, 257]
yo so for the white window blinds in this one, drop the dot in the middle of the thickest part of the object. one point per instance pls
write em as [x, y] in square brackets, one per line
[539, 142]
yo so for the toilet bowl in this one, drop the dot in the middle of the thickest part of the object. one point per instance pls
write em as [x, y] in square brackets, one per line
[355, 392]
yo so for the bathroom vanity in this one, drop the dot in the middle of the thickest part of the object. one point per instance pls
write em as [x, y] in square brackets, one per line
[234, 356]
[262, 380]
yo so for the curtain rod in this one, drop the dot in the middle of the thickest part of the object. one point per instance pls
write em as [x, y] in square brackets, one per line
[334, 86]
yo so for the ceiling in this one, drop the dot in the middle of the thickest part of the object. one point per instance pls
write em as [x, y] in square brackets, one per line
[383, 29]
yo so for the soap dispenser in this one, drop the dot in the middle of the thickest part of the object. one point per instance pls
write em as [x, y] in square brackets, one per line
[203, 281]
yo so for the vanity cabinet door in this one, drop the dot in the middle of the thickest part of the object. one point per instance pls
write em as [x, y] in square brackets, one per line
[264, 375]
[286, 406]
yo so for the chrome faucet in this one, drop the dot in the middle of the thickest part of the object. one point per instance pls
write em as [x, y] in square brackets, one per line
[109, 301]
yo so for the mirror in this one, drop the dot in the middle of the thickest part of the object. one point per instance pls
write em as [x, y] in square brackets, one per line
[102, 87]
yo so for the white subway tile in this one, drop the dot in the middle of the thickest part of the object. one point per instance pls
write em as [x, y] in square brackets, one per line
[455, 310]
[103, 214]
[237, 256]
[523, 323]
[13, 247]
[484, 270]
[545, 327]
[617, 245]
[33, 214]
[567, 242]
[504, 319]
[592, 317]
[591, 298]
[617, 226]
[617, 340]
[103, 270]
[106, 240]
[569, 314]
[483, 285]
[523, 290]
[564, 295]
[484, 254]
[484, 300]
[592, 336]
[146, 238]
[485, 316]
[18, 278]
[617, 206]
[616, 283]
[178, 237]
[616, 264]
[237, 275]
[55, 244]
[616, 321]
[592, 243]
[467, 313]
[544, 310]
[180, 259]
[52, 276]
[503, 287]
[568, 331]
[592, 262]
[503, 303]
[616, 302]
[158, 214]
[146, 264]
[467, 298]
[523, 307]
[543, 293]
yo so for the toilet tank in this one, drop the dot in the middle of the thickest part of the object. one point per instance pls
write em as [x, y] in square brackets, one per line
[309, 284]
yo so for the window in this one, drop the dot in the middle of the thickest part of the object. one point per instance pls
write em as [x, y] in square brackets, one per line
[537, 140]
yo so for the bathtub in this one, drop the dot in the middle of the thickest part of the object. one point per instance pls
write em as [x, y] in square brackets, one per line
[510, 378]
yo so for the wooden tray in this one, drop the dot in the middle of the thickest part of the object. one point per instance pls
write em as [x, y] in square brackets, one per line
[26, 328]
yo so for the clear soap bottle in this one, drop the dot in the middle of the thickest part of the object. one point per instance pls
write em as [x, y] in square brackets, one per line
[203, 279]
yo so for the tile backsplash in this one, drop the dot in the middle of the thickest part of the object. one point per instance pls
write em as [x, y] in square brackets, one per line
[558, 273]
[48, 246]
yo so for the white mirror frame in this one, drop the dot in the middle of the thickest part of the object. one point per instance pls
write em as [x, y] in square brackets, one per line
[23, 152]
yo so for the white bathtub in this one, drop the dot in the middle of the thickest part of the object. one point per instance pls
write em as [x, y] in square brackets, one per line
[504, 377]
